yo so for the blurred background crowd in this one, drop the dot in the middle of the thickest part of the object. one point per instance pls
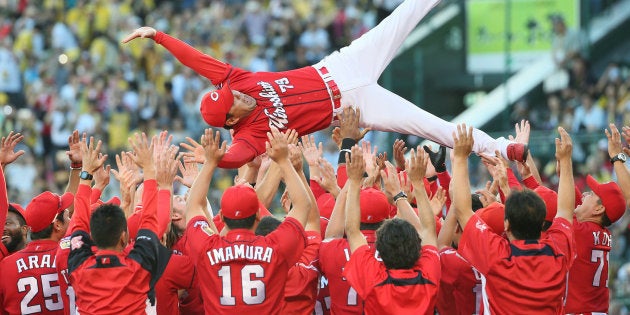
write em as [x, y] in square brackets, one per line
[62, 68]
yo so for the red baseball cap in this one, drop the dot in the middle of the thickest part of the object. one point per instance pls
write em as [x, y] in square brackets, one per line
[374, 206]
[17, 208]
[239, 202]
[550, 198]
[493, 215]
[611, 197]
[43, 209]
[215, 105]
[326, 204]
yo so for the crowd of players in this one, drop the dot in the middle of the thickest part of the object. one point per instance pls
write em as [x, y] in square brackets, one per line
[373, 236]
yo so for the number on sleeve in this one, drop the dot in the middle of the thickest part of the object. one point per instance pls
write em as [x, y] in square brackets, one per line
[598, 254]
[253, 290]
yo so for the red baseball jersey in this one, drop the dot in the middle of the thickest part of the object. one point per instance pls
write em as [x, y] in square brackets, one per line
[179, 274]
[522, 276]
[300, 292]
[460, 285]
[333, 256]
[30, 284]
[395, 291]
[109, 281]
[296, 99]
[249, 271]
[322, 304]
[588, 277]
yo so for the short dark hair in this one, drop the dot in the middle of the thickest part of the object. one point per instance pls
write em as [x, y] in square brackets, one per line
[525, 211]
[47, 232]
[19, 215]
[267, 225]
[107, 223]
[398, 244]
[606, 220]
[245, 223]
[370, 226]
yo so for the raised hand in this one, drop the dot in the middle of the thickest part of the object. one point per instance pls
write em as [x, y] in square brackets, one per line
[349, 123]
[292, 136]
[74, 151]
[143, 151]
[166, 168]
[7, 148]
[91, 154]
[295, 155]
[142, 32]
[277, 145]
[214, 149]
[417, 165]
[125, 163]
[311, 152]
[355, 164]
[614, 141]
[564, 146]
[463, 140]
[399, 150]
[101, 177]
[189, 172]
[390, 179]
[522, 131]
[162, 143]
[369, 156]
[195, 153]
[438, 200]
[336, 136]
[327, 179]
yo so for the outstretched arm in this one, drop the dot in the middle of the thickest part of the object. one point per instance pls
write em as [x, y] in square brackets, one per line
[355, 168]
[566, 191]
[213, 69]
[614, 148]
[463, 140]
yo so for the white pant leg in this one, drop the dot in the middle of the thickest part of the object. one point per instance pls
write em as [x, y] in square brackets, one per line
[385, 111]
[365, 59]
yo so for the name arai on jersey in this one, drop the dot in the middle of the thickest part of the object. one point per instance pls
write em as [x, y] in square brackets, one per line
[278, 118]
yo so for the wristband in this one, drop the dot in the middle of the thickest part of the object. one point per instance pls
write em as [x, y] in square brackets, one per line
[76, 166]
[346, 145]
[432, 178]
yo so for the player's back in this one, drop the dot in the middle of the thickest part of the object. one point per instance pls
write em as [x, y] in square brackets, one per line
[460, 285]
[30, 284]
[244, 273]
[334, 254]
[588, 277]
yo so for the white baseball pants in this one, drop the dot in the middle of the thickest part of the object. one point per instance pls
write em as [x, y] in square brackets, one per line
[357, 67]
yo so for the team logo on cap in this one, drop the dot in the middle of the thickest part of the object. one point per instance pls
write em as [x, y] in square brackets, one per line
[214, 96]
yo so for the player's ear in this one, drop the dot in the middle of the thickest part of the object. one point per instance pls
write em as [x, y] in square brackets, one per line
[506, 225]
[231, 121]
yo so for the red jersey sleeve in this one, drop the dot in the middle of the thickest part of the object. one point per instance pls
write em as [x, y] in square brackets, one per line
[561, 233]
[530, 182]
[342, 176]
[239, 153]
[290, 239]
[163, 211]
[316, 189]
[445, 182]
[213, 69]
[198, 233]
[480, 246]
[81, 216]
[362, 263]
[148, 220]
[96, 194]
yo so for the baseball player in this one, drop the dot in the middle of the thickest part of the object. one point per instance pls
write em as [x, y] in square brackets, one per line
[405, 279]
[524, 274]
[588, 290]
[249, 271]
[30, 283]
[335, 250]
[108, 280]
[307, 99]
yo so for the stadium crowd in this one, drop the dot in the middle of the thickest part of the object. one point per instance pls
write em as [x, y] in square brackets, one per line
[65, 76]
